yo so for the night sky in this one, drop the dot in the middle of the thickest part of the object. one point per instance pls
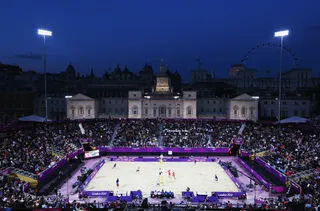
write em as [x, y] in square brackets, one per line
[100, 34]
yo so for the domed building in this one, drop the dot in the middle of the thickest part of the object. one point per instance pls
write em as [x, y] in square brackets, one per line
[162, 102]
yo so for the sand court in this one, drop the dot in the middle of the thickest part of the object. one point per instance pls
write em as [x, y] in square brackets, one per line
[198, 177]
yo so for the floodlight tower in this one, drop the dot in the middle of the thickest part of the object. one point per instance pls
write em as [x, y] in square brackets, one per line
[45, 33]
[280, 34]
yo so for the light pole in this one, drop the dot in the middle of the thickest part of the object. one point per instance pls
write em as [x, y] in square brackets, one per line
[45, 33]
[280, 34]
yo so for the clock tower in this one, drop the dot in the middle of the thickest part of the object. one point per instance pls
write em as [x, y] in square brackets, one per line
[163, 80]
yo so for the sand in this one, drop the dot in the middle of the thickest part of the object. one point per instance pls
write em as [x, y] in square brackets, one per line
[198, 177]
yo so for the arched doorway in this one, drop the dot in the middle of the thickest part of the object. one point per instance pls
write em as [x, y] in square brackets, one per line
[162, 112]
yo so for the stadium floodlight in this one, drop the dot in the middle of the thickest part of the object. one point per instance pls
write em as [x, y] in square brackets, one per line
[280, 34]
[176, 97]
[147, 97]
[255, 97]
[44, 32]
[67, 97]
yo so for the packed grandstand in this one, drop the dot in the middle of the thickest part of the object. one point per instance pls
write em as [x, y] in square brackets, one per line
[29, 149]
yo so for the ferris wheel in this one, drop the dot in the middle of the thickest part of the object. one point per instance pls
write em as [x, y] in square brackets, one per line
[269, 45]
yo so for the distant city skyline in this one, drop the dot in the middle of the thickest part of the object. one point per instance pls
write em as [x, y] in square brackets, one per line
[105, 34]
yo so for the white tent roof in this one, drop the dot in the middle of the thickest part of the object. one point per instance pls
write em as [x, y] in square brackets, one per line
[33, 118]
[294, 119]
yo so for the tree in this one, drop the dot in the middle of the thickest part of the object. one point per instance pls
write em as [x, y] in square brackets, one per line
[267, 72]
[106, 76]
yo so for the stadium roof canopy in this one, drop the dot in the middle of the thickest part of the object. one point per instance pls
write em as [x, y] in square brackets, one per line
[33, 118]
[294, 119]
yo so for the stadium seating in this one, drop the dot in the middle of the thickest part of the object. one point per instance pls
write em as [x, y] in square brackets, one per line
[39, 146]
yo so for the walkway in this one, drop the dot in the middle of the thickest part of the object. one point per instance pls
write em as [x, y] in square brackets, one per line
[243, 126]
[244, 181]
[115, 132]
[160, 138]
[209, 141]
[264, 173]
[66, 189]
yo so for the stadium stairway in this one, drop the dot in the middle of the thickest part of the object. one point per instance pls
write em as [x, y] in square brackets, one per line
[210, 141]
[243, 126]
[115, 132]
[160, 138]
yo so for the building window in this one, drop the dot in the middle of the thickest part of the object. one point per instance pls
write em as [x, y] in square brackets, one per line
[295, 113]
[146, 111]
[72, 111]
[235, 111]
[88, 110]
[282, 114]
[80, 111]
[272, 113]
[303, 103]
[303, 113]
[135, 110]
[265, 112]
[178, 111]
[243, 111]
[189, 110]
[162, 110]
[155, 112]
[251, 111]
[169, 111]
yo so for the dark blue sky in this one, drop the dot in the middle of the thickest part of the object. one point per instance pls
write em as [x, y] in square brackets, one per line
[99, 34]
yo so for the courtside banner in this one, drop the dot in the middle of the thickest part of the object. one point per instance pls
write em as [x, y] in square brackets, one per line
[91, 154]
[228, 194]
[163, 150]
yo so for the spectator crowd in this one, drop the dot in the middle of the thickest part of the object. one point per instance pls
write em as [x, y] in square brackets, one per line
[36, 148]
[137, 133]
[39, 146]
